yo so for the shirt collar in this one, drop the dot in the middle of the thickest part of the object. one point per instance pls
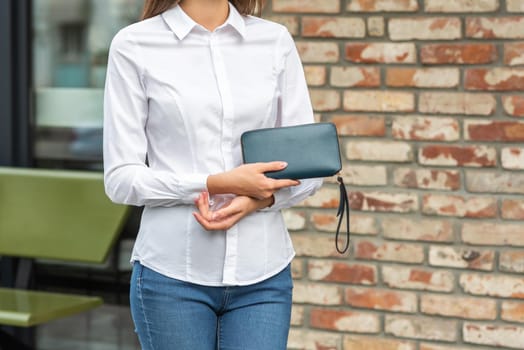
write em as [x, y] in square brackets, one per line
[181, 24]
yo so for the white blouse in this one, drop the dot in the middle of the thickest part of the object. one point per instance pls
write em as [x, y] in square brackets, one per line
[177, 99]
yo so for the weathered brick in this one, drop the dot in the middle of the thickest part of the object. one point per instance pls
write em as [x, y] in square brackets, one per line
[295, 220]
[495, 79]
[318, 294]
[428, 179]
[459, 307]
[318, 52]
[301, 339]
[458, 53]
[376, 26]
[495, 27]
[333, 27]
[434, 28]
[498, 285]
[514, 53]
[382, 6]
[365, 175]
[306, 6]
[512, 158]
[348, 321]
[427, 346]
[325, 100]
[423, 77]
[501, 336]
[343, 272]
[415, 278]
[389, 251]
[512, 311]
[355, 76]
[490, 130]
[366, 52]
[513, 105]
[417, 230]
[352, 342]
[461, 6]
[461, 258]
[487, 233]
[297, 268]
[290, 22]
[359, 125]
[495, 182]
[421, 328]
[381, 299]
[386, 151]
[383, 202]
[325, 197]
[297, 315]
[457, 103]
[470, 156]
[314, 245]
[454, 205]
[359, 224]
[512, 209]
[512, 261]
[515, 5]
[425, 128]
[378, 101]
[315, 75]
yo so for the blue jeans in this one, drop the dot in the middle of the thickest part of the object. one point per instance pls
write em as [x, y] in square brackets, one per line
[170, 314]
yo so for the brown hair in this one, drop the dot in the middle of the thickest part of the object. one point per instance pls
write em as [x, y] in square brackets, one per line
[155, 7]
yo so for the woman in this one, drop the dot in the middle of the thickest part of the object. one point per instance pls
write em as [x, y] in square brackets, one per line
[211, 260]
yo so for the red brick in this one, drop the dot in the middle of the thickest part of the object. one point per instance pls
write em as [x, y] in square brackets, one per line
[342, 272]
[458, 53]
[513, 209]
[513, 105]
[318, 52]
[314, 245]
[459, 307]
[461, 6]
[421, 328]
[359, 125]
[496, 79]
[383, 202]
[461, 258]
[323, 198]
[500, 286]
[381, 299]
[290, 22]
[378, 101]
[365, 52]
[355, 76]
[358, 224]
[325, 100]
[496, 27]
[487, 233]
[352, 342]
[512, 261]
[417, 230]
[457, 103]
[317, 294]
[306, 6]
[389, 251]
[470, 156]
[376, 26]
[305, 339]
[333, 27]
[382, 6]
[512, 311]
[425, 128]
[515, 5]
[297, 268]
[348, 321]
[474, 207]
[442, 347]
[315, 75]
[295, 220]
[491, 182]
[297, 315]
[425, 28]
[365, 175]
[379, 151]
[423, 77]
[501, 336]
[489, 130]
[416, 278]
[514, 54]
[428, 179]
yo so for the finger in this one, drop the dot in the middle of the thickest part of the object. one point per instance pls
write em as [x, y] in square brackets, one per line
[271, 166]
[216, 225]
[203, 207]
[278, 184]
[225, 212]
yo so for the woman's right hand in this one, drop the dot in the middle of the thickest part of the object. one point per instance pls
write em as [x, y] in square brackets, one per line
[249, 180]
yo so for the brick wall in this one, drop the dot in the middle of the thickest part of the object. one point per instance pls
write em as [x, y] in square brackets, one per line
[428, 99]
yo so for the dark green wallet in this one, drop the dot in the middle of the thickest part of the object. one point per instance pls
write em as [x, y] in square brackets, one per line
[310, 150]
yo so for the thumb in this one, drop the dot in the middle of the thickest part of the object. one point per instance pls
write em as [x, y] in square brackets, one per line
[272, 166]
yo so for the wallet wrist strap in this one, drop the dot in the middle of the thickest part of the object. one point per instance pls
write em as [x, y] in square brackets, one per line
[343, 208]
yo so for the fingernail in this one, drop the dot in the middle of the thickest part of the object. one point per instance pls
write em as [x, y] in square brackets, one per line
[283, 164]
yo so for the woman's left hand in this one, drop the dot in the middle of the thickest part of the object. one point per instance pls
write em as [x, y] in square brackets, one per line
[226, 217]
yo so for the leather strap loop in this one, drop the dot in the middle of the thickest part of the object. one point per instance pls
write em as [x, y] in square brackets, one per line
[343, 207]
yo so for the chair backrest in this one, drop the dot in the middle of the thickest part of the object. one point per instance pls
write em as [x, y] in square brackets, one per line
[57, 214]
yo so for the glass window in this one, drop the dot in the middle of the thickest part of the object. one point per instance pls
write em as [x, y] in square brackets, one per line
[70, 46]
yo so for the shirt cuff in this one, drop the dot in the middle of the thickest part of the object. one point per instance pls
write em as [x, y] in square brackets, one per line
[281, 196]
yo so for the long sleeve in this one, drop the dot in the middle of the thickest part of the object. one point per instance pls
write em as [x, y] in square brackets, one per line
[128, 179]
[294, 108]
